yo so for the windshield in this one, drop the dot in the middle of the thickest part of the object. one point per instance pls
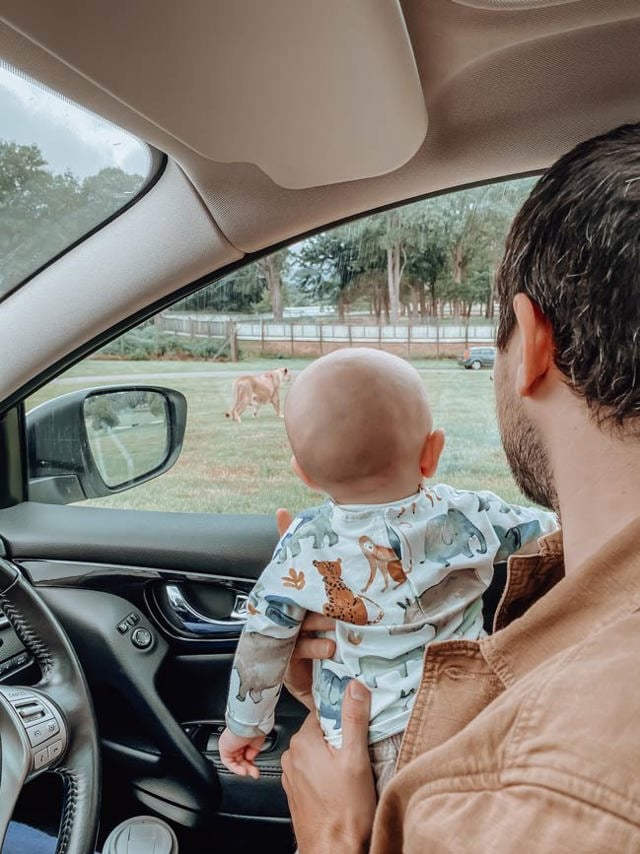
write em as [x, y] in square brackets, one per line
[63, 171]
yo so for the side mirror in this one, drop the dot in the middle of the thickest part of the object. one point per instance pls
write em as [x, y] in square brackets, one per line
[96, 442]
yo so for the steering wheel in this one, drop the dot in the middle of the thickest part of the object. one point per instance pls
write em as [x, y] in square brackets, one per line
[50, 726]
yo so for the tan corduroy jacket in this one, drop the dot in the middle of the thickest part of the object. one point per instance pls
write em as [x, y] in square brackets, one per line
[529, 740]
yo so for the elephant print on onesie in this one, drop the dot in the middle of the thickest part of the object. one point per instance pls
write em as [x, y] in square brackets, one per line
[512, 539]
[449, 535]
[261, 665]
[331, 690]
[342, 603]
[315, 524]
[442, 606]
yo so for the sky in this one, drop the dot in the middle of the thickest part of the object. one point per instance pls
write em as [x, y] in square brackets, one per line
[68, 136]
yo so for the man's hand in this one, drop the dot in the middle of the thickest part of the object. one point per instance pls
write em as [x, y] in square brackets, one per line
[331, 792]
[308, 647]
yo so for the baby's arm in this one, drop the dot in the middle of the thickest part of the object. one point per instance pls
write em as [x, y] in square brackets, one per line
[258, 669]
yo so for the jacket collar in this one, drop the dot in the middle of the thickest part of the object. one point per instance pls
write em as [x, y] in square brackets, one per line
[543, 612]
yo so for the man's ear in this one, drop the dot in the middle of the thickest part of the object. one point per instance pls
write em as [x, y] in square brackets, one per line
[295, 465]
[536, 342]
[433, 446]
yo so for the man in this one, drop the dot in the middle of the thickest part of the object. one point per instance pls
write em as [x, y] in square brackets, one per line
[529, 739]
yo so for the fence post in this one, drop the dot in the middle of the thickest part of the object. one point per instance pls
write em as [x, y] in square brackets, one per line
[350, 337]
[232, 336]
[379, 336]
[320, 335]
[409, 340]
[292, 340]
[437, 337]
[157, 328]
[262, 337]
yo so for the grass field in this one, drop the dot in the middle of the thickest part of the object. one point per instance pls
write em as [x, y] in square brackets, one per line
[244, 468]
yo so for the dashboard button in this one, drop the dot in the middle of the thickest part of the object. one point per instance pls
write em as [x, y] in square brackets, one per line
[142, 638]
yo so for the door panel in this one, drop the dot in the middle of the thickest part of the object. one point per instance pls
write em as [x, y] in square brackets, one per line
[236, 546]
[107, 574]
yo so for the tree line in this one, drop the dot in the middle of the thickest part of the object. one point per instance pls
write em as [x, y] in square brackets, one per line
[417, 261]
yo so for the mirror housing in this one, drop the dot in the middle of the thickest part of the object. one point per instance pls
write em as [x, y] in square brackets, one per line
[63, 462]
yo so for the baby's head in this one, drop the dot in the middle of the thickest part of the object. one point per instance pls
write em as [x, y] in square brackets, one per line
[360, 427]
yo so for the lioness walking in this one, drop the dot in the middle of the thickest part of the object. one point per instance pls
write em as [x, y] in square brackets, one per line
[257, 390]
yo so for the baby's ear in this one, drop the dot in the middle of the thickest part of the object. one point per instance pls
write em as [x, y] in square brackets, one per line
[431, 451]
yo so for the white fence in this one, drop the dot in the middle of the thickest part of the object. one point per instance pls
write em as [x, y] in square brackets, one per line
[266, 331]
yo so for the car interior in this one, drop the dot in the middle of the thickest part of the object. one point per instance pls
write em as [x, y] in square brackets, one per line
[266, 122]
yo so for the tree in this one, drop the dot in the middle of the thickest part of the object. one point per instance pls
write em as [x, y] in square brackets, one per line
[272, 268]
[469, 227]
[42, 213]
[344, 264]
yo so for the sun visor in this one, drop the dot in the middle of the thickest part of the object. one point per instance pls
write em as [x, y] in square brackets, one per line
[313, 93]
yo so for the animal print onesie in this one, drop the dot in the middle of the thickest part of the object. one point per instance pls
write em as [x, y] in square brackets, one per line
[395, 577]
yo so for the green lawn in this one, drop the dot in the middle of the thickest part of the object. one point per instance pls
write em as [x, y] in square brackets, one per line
[244, 468]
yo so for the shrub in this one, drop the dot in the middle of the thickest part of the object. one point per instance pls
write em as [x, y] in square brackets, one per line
[147, 342]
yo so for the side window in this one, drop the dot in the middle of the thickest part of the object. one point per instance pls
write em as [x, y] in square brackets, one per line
[416, 281]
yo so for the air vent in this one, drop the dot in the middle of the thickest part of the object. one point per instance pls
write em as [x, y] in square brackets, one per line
[511, 5]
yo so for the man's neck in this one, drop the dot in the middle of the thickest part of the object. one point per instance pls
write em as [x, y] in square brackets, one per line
[597, 478]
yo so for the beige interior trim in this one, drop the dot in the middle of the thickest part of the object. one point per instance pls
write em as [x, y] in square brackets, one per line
[506, 92]
[140, 257]
[511, 5]
[296, 88]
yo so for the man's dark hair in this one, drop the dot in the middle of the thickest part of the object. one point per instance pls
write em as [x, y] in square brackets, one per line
[574, 249]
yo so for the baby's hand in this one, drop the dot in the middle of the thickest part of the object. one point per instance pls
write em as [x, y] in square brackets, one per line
[238, 753]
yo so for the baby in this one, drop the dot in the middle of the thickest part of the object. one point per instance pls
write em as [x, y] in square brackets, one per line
[397, 564]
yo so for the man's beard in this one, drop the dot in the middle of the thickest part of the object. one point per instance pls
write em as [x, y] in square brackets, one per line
[526, 453]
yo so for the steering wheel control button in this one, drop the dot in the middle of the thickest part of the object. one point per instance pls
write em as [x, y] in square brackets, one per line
[40, 758]
[133, 619]
[123, 627]
[42, 732]
[42, 723]
[141, 638]
[55, 750]
[30, 710]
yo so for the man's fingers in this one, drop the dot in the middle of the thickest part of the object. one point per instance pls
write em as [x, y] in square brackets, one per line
[318, 623]
[355, 716]
[314, 648]
[283, 520]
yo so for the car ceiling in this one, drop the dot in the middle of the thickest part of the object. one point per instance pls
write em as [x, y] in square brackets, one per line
[362, 105]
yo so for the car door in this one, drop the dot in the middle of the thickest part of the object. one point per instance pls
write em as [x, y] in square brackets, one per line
[153, 603]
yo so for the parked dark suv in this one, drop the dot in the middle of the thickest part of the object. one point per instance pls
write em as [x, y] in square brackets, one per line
[478, 357]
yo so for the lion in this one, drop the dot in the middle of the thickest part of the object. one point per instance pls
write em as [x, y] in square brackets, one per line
[256, 390]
